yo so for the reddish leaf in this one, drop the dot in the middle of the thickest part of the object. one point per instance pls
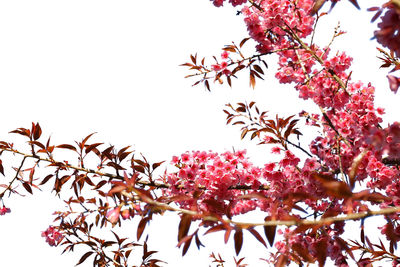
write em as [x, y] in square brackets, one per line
[243, 42]
[216, 228]
[66, 146]
[141, 226]
[31, 173]
[187, 241]
[302, 252]
[92, 147]
[257, 236]
[84, 257]
[238, 238]
[332, 186]
[227, 234]
[115, 166]
[27, 187]
[252, 80]
[270, 232]
[321, 248]
[184, 226]
[354, 2]
[37, 131]
[281, 261]
[156, 165]
[258, 69]
[1, 167]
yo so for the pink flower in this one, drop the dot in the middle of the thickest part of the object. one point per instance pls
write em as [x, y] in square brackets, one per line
[4, 210]
[216, 67]
[113, 215]
[53, 237]
[225, 55]
[224, 64]
[276, 150]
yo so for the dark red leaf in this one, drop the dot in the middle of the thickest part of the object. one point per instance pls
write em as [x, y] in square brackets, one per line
[238, 238]
[187, 245]
[37, 131]
[1, 167]
[27, 187]
[243, 42]
[92, 147]
[321, 248]
[257, 236]
[184, 226]
[270, 231]
[66, 146]
[141, 226]
[84, 257]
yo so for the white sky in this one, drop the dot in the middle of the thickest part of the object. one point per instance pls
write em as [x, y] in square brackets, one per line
[112, 67]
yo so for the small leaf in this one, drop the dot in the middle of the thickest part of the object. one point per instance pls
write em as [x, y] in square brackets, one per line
[184, 226]
[243, 42]
[84, 257]
[270, 231]
[257, 236]
[66, 146]
[27, 187]
[258, 68]
[238, 237]
[252, 80]
[1, 167]
[141, 226]
[37, 132]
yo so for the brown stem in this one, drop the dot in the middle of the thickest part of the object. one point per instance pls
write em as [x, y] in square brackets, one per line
[327, 220]
[16, 176]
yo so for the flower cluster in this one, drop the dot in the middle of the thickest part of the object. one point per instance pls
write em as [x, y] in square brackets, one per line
[4, 210]
[53, 237]
[219, 3]
[219, 174]
[223, 65]
[268, 22]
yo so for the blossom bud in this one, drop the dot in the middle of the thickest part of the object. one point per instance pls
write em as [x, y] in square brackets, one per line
[125, 214]
[113, 215]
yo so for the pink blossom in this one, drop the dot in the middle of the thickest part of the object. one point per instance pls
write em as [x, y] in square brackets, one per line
[113, 215]
[4, 210]
[53, 237]
[225, 55]
[276, 150]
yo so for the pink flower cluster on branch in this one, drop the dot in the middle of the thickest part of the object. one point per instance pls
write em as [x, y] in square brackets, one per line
[351, 150]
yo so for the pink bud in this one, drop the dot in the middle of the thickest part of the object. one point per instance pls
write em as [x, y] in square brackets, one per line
[113, 215]
[125, 214]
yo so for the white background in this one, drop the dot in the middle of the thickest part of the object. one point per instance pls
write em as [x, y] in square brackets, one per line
[112, 67]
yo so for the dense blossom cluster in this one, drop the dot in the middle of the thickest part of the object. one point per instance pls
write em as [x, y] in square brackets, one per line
[351, 147]
[218, 173]
[267, 23]
[351, 123]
